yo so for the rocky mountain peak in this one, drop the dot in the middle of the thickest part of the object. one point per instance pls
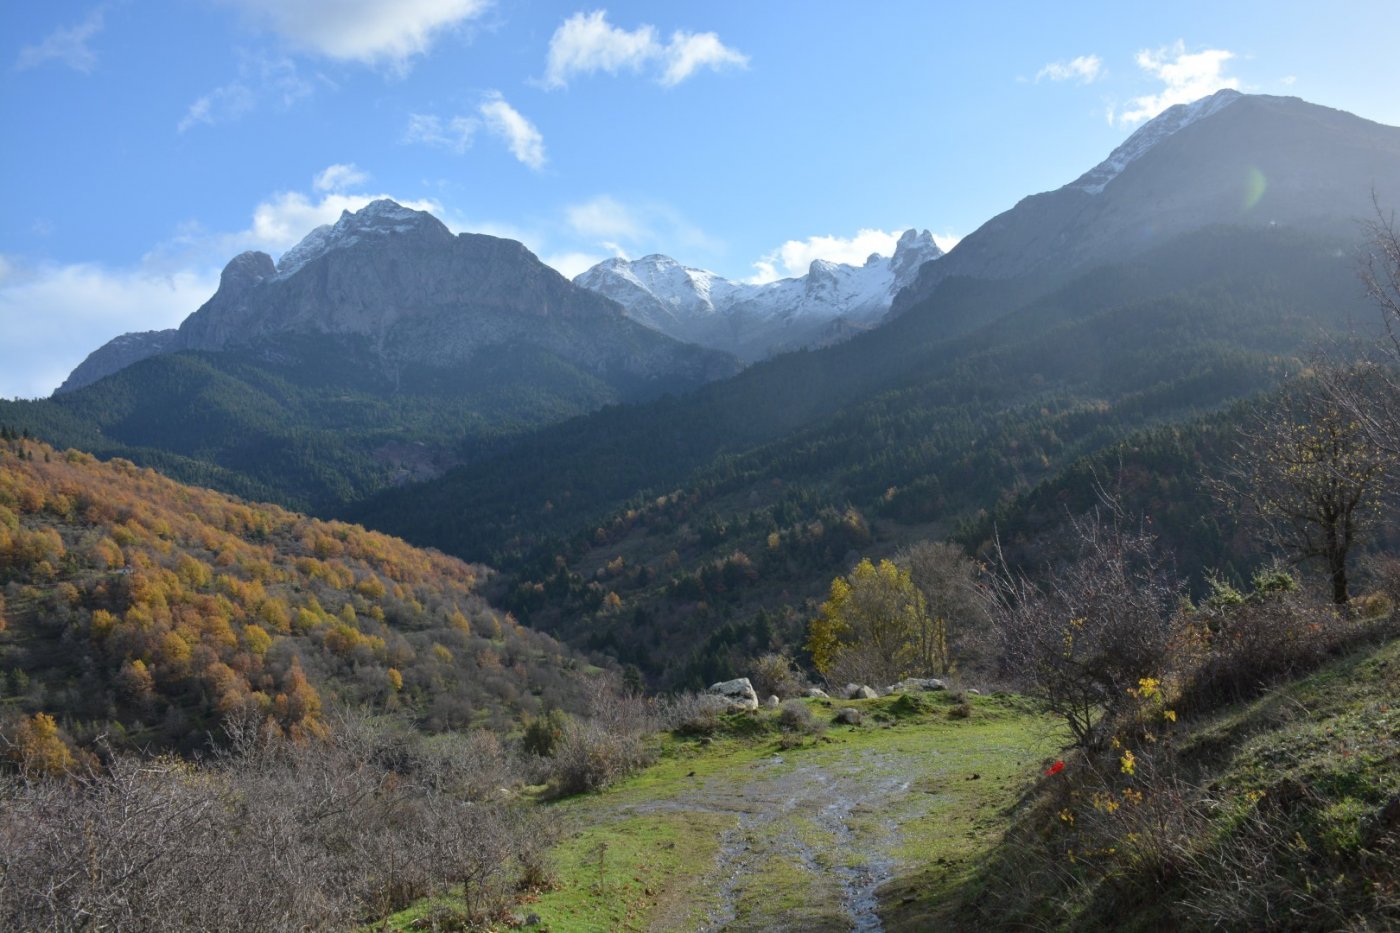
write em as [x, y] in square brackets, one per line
[246, 270]
[376, 219]
[1151, 133]
[914, 248]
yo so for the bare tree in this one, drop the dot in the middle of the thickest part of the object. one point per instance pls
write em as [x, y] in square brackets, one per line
[1375, 402]
[953, 604]
[1307, 475]
[1097, 625]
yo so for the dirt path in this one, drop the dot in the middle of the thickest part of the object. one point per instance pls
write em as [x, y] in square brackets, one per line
[751, 837]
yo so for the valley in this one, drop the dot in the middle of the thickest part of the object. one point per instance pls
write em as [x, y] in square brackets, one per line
[424, 587]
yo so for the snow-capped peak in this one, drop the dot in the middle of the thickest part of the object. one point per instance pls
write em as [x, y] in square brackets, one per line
[755, 320]
[1150, 134]
[377, 218]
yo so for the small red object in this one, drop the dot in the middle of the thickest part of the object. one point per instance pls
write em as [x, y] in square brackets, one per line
[1056, 768]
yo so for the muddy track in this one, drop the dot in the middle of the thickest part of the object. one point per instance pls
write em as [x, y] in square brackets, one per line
[822, 832]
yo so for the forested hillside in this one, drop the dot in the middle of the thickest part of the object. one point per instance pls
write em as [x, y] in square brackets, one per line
[152, 612]
[616, 536]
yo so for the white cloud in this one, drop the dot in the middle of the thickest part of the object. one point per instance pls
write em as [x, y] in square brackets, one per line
[795, 256]
[368, 31]
[493, 115]
[586, 43]
[259, 78]
[42, 309]
[1188, 76]
[689, 52]
[69, 46]
[605, 217]
[571, 263]
[1085, 69]
[519, 134]
[338, 177]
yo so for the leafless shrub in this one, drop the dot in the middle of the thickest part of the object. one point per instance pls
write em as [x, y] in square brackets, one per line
[1087, 635]
[692, 713]
[612, 742]
[774, 674]
[266, 835]
[795, 716]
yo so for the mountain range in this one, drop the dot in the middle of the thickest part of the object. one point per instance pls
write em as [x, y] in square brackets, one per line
[831, 302]
[1198, 264]
[417, 296]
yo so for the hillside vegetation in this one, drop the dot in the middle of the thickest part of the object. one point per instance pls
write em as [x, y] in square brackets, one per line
[151, 612]
[679, 534]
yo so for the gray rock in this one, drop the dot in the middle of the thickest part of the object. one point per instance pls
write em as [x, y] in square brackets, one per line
[773, 702]
[816, 693]
[860, 692]
[848, 715]
[117, 354]
[915, 684]
[739, 693]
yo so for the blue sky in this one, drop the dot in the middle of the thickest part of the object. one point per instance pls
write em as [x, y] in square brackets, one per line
[146, 143]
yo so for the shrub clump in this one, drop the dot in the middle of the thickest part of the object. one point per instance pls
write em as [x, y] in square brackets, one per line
[795, 717]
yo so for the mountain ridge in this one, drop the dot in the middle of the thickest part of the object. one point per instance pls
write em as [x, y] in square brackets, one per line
[1240, 159]
[754, 321]
[421, 295]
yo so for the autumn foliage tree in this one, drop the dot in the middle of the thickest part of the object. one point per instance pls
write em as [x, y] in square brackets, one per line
[867, 630]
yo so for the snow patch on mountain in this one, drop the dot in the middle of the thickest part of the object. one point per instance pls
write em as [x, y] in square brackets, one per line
[377, 218]
[755, 321]
[1169, 121]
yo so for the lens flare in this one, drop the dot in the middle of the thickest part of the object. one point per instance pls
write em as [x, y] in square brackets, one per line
[1255, 184]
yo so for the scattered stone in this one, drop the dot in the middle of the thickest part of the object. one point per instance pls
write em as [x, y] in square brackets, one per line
[912, 684]
[532, 920]
[816, 693]
[773, 701]
[860, 692]
[974, 691]
[739, 693]
[848, 715]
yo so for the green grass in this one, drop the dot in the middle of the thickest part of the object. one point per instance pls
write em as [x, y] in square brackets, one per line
[909, 788]
[1282, 812]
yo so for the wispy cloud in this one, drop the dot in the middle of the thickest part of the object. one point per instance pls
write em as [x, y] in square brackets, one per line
[493, 115]
[604, 217]
[372, 32]
[586, 43]
[604, 226]
[1188, 76]
[1084, 69]
[454, 133]
[338, 177]
[260, 78]
[68, 46]
[519, 134]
